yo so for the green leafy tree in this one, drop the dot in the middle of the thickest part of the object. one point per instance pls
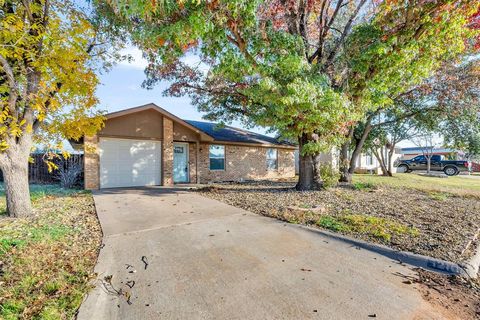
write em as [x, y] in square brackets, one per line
[447, 103]
[307, 69]
[49, 54]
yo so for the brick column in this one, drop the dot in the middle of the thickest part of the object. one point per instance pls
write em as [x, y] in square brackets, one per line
[167, 152]
[91, 163]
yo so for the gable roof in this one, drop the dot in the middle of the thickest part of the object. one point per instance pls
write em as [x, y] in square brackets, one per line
[164, 112]
[223, 133]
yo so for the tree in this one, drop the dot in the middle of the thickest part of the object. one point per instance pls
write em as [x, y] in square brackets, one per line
[384, 138]
[49, 54]
[427, 141]
[447, 103]
[307, 69]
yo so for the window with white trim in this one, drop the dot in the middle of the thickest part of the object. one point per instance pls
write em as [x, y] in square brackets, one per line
[272, 159]
[217, 157]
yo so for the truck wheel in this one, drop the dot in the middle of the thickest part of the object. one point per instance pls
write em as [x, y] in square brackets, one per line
[450, 171]
[403, 168]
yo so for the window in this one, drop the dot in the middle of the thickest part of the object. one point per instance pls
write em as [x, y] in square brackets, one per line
[272, 159]
[217, 157]
[178, 149]
[369, 159]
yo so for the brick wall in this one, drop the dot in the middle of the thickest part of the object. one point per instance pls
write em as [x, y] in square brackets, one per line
[167, 152]
[245, 163]
[91, 163]
[192, 162]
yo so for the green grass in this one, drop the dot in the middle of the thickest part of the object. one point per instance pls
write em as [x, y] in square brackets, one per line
[38, 192]
[363, 186]
[457, 185]
[379, 228]
[48, 258]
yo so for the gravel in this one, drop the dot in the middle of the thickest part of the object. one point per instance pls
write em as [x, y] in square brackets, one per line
[446, 223]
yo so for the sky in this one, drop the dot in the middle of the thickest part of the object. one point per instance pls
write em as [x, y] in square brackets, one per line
[121, 88]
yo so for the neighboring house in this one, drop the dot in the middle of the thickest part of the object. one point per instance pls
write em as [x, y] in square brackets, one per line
[147, 145]
[451, 154]
[368, 163]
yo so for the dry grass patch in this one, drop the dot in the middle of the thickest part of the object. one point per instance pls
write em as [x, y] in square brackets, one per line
[48, 259]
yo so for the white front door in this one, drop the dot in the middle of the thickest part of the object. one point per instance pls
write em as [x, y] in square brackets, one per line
[129, 163]
[180, 162]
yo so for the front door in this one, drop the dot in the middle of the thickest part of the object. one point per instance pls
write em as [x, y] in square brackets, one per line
[180, 162]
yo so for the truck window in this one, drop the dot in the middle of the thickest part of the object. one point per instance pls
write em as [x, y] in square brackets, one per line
[419, 158]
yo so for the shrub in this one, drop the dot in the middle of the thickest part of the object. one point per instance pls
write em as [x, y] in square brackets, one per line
[329, 175]
[68, 177]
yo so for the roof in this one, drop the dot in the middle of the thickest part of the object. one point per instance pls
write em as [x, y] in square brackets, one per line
[230, 134]
[164, 112]
[419, 150]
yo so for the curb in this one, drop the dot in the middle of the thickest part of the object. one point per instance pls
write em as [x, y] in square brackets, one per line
[469, 269]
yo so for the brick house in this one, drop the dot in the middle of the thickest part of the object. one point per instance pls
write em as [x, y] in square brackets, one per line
[147, 145]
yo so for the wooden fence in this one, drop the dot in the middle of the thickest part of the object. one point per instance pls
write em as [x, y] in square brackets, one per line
[38, 169]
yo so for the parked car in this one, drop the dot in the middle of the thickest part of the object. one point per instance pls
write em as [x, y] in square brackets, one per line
[437, 163]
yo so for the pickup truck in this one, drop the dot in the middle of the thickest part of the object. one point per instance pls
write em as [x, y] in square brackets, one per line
[437, 163]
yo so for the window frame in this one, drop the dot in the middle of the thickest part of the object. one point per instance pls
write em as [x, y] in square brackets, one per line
[210, 157]
[269, 159]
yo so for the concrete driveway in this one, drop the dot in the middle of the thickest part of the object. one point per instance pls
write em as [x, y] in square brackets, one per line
[173, 254]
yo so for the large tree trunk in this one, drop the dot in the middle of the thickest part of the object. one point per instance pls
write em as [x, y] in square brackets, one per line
[309, 169]
[14, 166]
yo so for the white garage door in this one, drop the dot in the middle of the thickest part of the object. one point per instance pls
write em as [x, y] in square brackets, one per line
[129, 163]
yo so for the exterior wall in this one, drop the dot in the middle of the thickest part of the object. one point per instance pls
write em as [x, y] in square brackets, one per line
[246, 163]
[242, 162]
[182, 133]
[167, 153]
[91, 163]
[192, 162]
[146, 124]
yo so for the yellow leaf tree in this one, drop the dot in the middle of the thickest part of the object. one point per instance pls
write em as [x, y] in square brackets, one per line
[50, 51]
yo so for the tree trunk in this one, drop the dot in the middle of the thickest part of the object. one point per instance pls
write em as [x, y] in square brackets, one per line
[347, 167]
[14, 166]
[309, 169]
[391, 151]
[15, 176]
[345, 176]
[381, 161]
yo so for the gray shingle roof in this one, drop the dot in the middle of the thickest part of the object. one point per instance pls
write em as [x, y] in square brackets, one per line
[231, 134]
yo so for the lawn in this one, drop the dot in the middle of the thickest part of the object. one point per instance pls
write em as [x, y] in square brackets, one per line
[437, 217]
[47, 260]
[458, 185]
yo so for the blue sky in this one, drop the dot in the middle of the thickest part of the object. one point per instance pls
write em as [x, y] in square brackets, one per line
[121, 88]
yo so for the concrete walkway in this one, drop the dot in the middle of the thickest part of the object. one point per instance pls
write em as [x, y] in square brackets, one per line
[208, 260]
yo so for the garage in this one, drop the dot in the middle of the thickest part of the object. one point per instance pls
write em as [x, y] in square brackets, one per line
[129, 163]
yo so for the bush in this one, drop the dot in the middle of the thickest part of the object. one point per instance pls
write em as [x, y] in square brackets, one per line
[329, 175]
[68, 177]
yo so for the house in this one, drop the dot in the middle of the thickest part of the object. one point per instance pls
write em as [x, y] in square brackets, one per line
[368, 163]
[147, 145]
[452, 154]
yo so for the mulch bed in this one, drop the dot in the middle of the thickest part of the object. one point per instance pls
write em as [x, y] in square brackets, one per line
[446, 224]
[459, 297]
